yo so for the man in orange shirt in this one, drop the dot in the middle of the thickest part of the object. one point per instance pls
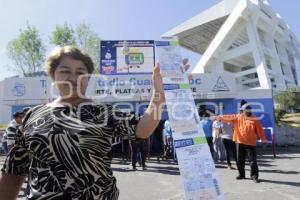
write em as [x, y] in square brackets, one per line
[247, 128]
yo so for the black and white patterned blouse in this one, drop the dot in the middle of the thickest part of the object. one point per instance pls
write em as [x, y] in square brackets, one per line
[65, 152]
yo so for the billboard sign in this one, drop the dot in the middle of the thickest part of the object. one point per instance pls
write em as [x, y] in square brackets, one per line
[120, 57]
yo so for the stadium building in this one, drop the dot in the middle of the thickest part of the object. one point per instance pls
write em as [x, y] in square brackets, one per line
[247, 39]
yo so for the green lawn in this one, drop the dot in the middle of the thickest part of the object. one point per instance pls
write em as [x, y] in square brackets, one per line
[3, 127]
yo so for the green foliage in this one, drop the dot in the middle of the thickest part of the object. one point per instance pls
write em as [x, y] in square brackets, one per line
[27, 51]
[279, 113]
[289, 100]
[63, 35]
[82, 37]
[89, 42]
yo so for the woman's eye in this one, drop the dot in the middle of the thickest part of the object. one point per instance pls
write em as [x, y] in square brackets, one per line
[81, 73]
[65, 72]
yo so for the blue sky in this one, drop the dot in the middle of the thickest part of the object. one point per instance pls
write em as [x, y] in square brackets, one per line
[112, 19]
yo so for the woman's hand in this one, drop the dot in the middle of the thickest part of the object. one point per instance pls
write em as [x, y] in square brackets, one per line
[157, 79]
[158, 88]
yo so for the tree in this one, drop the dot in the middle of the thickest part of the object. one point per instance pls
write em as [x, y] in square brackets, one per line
[63, 35]
[289, 100]
[27, 51]
[82, 37]
[88, 41]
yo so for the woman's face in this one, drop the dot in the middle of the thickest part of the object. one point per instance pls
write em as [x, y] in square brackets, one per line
[71, 77]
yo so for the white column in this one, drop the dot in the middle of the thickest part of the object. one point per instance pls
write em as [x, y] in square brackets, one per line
[275, 61]
[219, 64]
[258, 55]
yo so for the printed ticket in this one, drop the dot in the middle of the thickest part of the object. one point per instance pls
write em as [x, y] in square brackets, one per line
[194, 158]
[198, 172]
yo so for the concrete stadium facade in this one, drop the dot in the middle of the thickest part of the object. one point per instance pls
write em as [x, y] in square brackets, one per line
[246, 38]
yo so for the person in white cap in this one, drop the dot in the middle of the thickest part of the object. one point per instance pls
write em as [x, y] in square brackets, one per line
[247, 128]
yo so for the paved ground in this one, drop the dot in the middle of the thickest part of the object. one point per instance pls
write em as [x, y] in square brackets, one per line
[280, 179]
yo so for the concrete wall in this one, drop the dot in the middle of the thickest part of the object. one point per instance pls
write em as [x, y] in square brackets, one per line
[285, 135]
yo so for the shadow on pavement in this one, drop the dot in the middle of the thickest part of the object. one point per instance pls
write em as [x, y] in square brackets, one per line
[264, 164]
[270, 157]
[166, 162]
[280, 182]
[155, 169]
[263, 160]
[220, 166]
[119, 169]
[279, 171]
[164, 171]
[151, 160]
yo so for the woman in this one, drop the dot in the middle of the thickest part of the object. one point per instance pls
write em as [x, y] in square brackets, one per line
[66, 147]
